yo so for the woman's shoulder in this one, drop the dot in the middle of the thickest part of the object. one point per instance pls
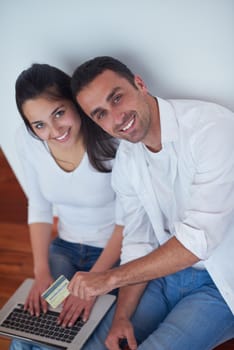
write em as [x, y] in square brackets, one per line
[26, 142]
[22, 134]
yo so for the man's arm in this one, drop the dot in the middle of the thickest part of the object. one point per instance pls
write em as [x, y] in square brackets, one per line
[167, 259]
[121, 326]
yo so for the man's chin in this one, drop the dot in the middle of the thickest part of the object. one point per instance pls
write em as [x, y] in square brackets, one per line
[132, 139]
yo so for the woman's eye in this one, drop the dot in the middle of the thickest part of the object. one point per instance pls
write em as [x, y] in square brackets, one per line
[59, 114]
[39, 125]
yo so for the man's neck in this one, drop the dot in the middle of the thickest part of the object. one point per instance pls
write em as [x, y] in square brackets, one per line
[153, 141]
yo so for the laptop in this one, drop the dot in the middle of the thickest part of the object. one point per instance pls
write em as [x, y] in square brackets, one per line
[19, 324]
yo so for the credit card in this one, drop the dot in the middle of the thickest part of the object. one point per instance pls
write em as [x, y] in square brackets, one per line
[57, 292]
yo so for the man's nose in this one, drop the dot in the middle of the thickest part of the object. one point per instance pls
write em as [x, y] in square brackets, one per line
[118, 117]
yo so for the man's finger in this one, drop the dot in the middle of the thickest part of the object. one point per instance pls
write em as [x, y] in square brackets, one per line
[131, 341]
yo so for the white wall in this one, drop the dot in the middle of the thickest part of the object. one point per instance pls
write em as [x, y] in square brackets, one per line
[181, 48]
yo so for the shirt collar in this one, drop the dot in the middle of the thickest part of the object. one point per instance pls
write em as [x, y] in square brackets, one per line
[168, 122]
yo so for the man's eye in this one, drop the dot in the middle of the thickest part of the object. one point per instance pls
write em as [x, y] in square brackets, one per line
[117, 98]
[100, 115]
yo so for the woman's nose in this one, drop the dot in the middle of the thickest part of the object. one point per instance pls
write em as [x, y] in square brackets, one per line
[54, 130]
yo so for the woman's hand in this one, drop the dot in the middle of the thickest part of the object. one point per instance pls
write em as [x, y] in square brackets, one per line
[34, 302]
[73, 307]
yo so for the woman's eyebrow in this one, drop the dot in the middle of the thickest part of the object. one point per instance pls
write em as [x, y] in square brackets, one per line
[52, 113]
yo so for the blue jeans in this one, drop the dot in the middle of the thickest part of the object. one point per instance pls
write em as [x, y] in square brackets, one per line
[179, 312]
[66, 259]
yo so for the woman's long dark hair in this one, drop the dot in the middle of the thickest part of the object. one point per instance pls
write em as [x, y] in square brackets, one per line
[51, 82]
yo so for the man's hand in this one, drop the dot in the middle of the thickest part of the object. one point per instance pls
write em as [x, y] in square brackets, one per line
[87, 285]
[34, 302]
[121, 329]
[73, 307]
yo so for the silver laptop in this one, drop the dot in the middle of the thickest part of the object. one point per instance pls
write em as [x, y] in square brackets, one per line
[19, 324]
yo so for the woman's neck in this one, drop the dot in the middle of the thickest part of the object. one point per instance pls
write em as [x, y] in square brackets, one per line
[68, 158]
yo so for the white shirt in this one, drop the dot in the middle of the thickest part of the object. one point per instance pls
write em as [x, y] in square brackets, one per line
[83, 198]
[185, 190]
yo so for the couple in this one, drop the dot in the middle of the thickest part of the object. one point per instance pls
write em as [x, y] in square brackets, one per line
[174, 178]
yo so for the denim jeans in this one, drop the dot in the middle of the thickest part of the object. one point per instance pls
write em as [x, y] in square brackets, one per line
[179, 312]
[66, 259]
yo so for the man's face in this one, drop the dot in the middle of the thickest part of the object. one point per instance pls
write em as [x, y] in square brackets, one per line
[117, 106]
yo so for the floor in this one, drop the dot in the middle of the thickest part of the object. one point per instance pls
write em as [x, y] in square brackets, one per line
[15, 253]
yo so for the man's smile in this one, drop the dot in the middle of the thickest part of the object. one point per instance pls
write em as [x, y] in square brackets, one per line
[129, 124]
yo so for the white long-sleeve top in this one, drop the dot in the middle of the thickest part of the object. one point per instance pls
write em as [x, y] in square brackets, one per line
[83, 199]
[185, 190]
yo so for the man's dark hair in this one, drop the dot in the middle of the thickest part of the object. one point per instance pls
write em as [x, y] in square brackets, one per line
[89, 70]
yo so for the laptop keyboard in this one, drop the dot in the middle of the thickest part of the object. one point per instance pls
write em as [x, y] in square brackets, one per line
[44, 325]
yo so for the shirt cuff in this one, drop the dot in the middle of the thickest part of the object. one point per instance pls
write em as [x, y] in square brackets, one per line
[193, 239]
[39, 216]
[135, 251]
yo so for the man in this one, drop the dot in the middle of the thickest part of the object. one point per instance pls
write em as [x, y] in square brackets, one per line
[174, 175]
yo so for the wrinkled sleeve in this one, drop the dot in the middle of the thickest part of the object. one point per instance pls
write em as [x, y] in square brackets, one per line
[138, 236]
[39, 209]
[119, 213]
[210, 210]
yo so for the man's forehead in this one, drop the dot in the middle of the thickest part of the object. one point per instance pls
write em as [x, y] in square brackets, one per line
[105, 78]
[100, 90]
[92, 96]
[101, 86]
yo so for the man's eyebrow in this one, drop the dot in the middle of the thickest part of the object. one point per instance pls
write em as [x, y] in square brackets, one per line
[108, 98]
[112, 93]
[93, 113]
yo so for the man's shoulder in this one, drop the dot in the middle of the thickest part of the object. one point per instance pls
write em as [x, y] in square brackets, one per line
[195, 114]
[125, 145]
[192, 106]
[126, 156]
[127, 149]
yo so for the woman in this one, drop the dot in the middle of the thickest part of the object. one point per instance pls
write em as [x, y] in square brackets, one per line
[67, 164]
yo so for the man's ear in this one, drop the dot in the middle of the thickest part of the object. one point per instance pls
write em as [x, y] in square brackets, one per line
[140, 84]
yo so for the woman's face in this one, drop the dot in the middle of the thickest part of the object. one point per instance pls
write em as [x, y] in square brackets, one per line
[54, 121]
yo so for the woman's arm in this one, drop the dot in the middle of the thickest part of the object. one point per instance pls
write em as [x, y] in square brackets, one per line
[40, 235]
[73, 306]
[111, 253]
